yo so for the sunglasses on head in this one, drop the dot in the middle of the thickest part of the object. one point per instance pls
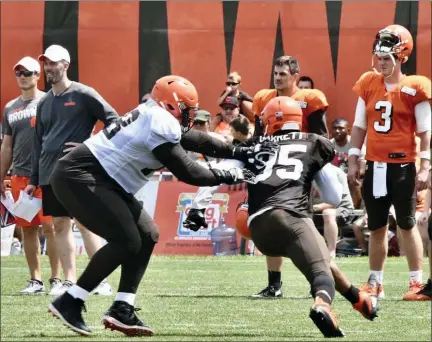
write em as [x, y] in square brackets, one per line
[232, 83]
[26, 73]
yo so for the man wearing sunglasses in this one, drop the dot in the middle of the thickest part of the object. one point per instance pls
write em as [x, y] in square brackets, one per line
[233, 89]
[65, 117]
[18, 129]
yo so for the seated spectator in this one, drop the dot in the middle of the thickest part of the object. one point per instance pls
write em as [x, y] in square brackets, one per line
[233, 84]
[423, 206]
[202, 124]
[220, 123]
[422, 214]
[239, 128]
[360, 228]
[305, 82]
[331, 218]
[341, 143]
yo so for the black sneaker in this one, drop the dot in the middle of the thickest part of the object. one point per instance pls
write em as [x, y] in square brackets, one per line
[68, 310]
[122, 317]
[270, 292]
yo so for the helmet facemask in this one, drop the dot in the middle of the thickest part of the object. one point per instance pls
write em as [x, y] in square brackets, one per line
[386, 44]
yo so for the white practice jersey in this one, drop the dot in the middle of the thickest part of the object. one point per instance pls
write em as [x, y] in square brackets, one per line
[125, 147]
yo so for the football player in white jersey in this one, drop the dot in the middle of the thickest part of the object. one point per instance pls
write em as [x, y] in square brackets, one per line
[97, 181]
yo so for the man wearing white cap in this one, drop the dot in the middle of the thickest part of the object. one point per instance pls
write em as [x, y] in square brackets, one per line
[18, 129]
[65, 117]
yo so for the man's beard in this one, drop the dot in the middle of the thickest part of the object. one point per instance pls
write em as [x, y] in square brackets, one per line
[55, 78]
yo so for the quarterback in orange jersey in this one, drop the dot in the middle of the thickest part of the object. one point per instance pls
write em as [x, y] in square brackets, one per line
[392, 108]
[312, 101]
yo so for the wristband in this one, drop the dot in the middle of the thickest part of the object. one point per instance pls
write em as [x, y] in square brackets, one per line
[424, 155]
[354, 152]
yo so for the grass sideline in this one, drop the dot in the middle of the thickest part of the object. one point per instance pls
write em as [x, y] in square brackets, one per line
[206, 299]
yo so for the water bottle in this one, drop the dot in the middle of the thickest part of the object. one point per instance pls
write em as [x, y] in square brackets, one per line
[224, 240]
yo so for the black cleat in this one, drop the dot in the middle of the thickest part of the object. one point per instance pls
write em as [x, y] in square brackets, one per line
[121, 316]
[270, 292]
[323, 317]
[68, 309]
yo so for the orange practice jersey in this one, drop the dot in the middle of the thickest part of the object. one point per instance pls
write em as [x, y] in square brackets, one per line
[310, 100]
[391, 123]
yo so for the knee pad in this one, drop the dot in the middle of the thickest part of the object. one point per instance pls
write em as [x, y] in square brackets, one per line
[242, 217]
[323, 282]
[406, 223]
[430, 227]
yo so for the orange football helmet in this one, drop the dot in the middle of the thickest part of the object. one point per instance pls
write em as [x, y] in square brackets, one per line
[281, 113]
[241, 225]
[394, 40]
[177, 95]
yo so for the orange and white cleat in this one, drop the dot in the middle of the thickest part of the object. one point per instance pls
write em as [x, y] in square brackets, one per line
[373, 288]
[418, 292]
[323, 317]
[367, 305]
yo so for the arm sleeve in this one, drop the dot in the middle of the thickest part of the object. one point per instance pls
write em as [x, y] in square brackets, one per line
[422, 113]
[329, 186]
[205, 194]
[37, 147]
[360, 114]
[317, 123]
[173, 157]
[100, 108]
[200, 142]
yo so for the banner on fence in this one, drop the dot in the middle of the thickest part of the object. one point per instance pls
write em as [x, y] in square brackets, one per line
[173, 203]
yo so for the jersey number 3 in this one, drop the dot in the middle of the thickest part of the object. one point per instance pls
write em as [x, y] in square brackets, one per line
[283, 159]
[386, 110]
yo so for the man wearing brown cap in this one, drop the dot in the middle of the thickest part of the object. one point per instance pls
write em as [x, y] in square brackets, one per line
[18, 129]
[230, 110]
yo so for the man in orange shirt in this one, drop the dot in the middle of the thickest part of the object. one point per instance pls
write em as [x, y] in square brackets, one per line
[391, 108]
[312, 101]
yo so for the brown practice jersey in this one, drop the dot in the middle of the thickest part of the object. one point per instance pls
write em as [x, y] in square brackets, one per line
[284, 180]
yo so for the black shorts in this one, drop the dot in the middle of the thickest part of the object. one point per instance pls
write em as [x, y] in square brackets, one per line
[51, 206]
[401, 193]
[277, 232]
[99, 202]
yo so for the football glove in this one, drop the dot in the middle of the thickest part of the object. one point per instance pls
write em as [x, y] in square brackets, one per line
[195, 220]
[234, 175]
[248, 153]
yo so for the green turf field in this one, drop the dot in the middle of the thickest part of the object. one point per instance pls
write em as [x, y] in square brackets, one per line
[206, 299]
